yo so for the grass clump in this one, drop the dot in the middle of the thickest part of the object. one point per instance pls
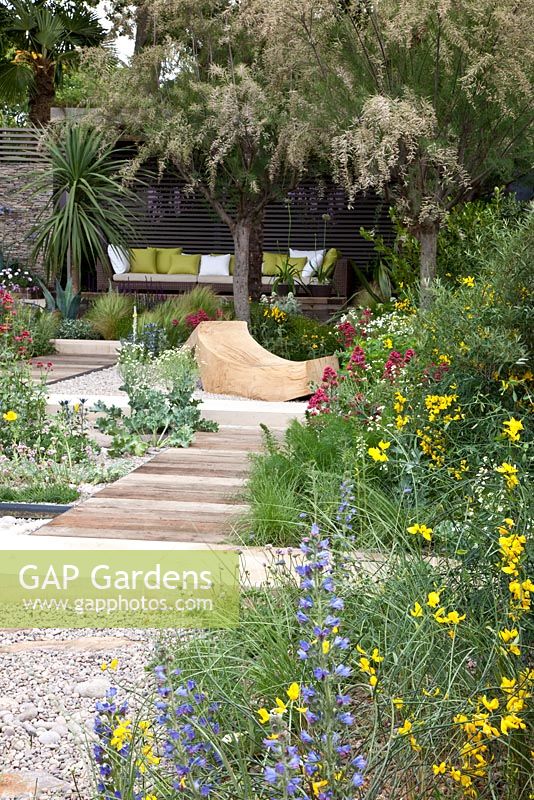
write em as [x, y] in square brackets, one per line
[172, 314]
[36, 493]
[111, 315]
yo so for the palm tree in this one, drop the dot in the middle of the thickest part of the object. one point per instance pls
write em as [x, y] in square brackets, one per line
[39, 41]
[89, 206]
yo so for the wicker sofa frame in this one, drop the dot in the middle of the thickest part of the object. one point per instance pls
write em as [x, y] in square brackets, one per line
[341, 283]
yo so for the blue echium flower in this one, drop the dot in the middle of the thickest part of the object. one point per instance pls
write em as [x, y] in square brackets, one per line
[111, 748]
[310, 750]
[191, 723]
[346, 510]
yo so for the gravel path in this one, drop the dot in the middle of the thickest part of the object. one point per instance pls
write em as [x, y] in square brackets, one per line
[50, 680]
[106, 382]
[49, 683]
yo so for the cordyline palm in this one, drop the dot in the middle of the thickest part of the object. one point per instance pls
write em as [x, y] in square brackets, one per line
[87, 209]
[38, 41]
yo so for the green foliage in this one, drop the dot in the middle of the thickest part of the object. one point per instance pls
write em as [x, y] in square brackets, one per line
[472, 231]
[291, 335]
[37, 493]
[484, 322]
[111, 315]
[287, 275]
[418, 415]
[171, 314]
[66, 302]
[75, 329]
[41, 325]
[27, 428]
[86, 210]
[395, 266]
[160, 391]
[47, 40]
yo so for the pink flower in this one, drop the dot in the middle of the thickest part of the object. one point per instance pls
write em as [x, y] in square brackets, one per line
[347, 333]
[192, 320]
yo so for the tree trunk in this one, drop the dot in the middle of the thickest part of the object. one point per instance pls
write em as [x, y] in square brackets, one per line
[243, 234]
[256, 258]
[73, 272]
[428, 240]
[142, 27]
[42, 98]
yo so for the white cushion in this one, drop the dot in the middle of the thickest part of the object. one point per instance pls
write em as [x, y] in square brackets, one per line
[315, 260]
[215, 265]
[118, 258]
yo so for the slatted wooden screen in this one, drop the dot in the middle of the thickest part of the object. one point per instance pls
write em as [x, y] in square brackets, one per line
[166, 215]
[19, 145]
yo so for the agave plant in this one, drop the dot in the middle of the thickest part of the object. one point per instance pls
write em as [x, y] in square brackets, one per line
[66, 302]
[87, 208]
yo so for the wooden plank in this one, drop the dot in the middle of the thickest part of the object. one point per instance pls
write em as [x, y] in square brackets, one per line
[189, 536]
[69, 366]
[185, 495]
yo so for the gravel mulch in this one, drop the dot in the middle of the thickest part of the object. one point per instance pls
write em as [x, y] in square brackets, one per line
[50, 681]
[106, 383]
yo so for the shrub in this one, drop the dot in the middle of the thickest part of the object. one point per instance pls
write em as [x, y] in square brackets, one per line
[473, 231]
[41, 325]
[291, 335]
[111, 315]
[163, 412]
[76, 329]
[171, 315]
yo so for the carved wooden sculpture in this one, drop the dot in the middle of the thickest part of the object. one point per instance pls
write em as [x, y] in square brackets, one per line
[232, 362]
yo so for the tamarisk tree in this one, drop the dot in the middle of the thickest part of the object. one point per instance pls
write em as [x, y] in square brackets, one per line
[434, 99]
[233, 131]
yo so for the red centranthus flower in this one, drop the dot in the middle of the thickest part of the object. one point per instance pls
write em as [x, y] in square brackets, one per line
[347, 333]
[319, 402]
[192, 320]
[356, 360]
[396, 363]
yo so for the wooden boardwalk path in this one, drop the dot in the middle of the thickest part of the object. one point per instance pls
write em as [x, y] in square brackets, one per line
[66, 366]
[181, 495]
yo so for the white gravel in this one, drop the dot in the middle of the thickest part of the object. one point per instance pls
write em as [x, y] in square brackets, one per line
[106, 382]
[49, 683]
[19, 526]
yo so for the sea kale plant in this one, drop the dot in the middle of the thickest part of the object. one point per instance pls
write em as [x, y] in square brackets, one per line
[162, 409]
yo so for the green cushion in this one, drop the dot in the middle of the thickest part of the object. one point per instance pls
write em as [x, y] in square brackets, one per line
[273, 262]
[298, 264]
[163, 258]
[331, 257]
[143, 260]
[181, 264]
[270, 263]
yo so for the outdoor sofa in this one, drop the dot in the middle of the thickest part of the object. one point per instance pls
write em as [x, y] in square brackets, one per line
[169, 270]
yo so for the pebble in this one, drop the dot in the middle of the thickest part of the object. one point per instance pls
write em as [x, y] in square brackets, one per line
[106, 383]
[49, 738]
[47, 704]
[27, 711]
[95, 688]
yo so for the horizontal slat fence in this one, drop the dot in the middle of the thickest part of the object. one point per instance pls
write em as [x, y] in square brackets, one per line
[165, 214]
[19, 145]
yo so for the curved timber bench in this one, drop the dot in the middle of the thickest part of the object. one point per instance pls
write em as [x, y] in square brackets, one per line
[231, 362]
